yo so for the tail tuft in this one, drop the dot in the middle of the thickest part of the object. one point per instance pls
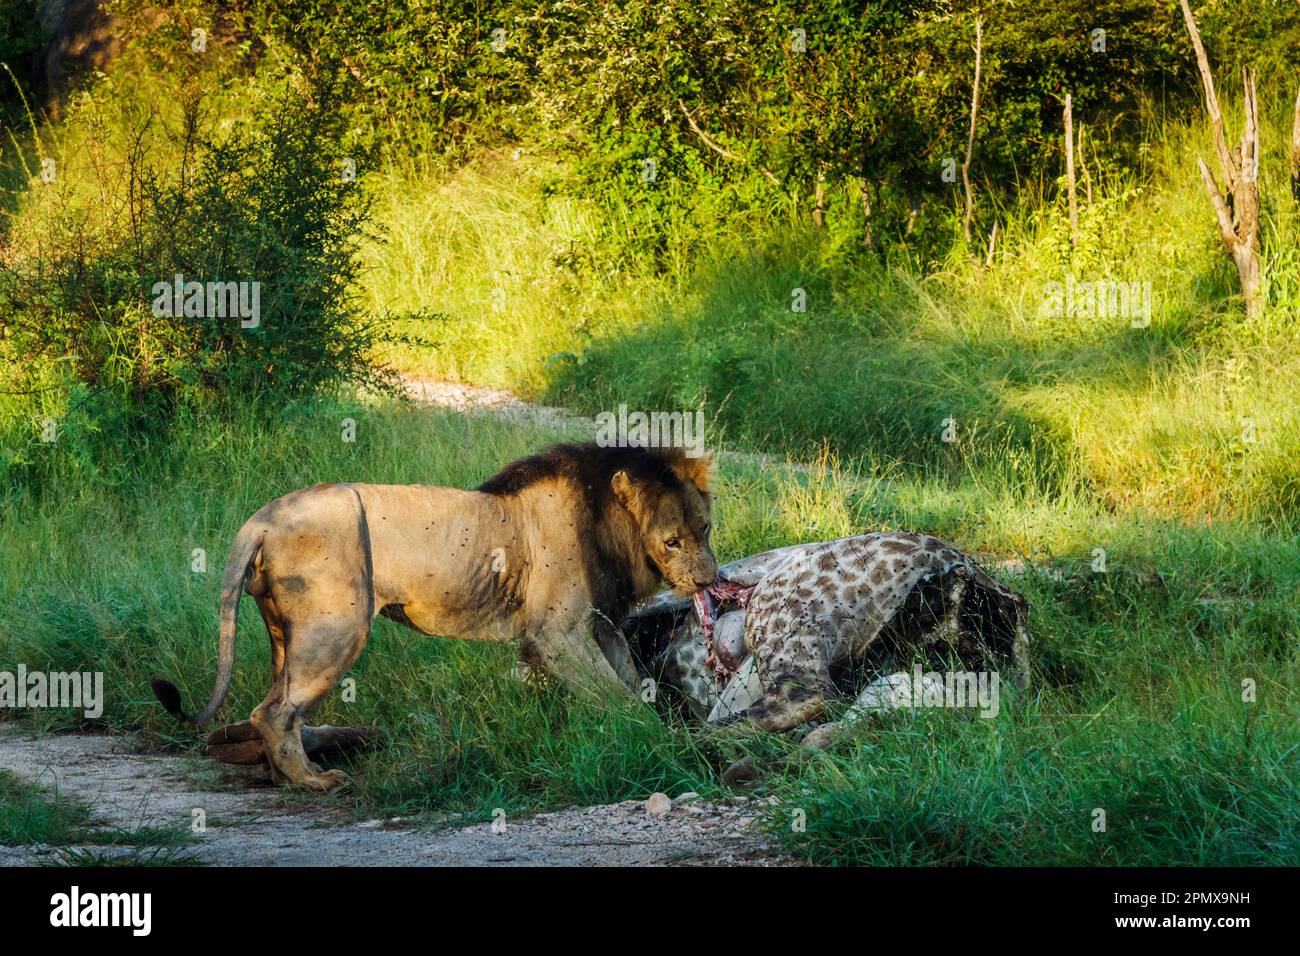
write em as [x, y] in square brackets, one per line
[169, 697]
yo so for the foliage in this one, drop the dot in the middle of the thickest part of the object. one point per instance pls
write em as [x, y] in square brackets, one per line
[21, 37]
[264, 204]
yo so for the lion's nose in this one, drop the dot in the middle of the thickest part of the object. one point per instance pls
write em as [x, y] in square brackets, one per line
[707, 575]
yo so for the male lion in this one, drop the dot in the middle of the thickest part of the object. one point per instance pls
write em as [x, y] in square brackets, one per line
[555, 549]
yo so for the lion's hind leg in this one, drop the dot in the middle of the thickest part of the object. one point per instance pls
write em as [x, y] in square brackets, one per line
[314, 585]
[275, 633]
[316, 656]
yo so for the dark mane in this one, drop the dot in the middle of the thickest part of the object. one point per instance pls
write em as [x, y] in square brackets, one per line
[589, 467]
[608, 567]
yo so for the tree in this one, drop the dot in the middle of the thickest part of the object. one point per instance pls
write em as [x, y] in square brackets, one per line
[1237, 208]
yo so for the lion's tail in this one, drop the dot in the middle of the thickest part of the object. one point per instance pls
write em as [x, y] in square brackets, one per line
[239, 568]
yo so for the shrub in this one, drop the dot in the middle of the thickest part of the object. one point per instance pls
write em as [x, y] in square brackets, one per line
[266, 218]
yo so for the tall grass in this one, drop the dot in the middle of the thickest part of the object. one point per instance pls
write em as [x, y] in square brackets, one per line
[1194, 415]
[1138, 707]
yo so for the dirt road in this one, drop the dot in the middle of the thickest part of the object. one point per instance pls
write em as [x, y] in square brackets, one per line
[245, 826]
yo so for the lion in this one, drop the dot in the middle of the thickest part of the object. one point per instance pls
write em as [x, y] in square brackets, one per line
[553, 550]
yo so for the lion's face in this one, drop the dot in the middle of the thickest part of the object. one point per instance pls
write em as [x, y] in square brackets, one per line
[677, 541]
[675, 525]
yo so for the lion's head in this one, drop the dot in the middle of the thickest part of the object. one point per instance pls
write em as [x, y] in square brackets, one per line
[674, 518]
[648, 513]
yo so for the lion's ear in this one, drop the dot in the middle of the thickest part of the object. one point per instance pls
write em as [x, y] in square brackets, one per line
[699, 471]
[628, 495]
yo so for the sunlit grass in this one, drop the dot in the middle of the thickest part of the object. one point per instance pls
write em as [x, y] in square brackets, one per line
[1138, 707]
[1194, 415]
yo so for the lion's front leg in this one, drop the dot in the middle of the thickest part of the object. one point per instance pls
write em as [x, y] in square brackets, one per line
[613, 644]
[573, 654]
[563, 641]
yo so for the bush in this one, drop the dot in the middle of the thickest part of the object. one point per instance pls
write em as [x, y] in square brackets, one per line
[873, 96]
[262, 226]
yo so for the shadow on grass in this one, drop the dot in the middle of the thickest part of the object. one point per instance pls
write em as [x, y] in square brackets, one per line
[876, 368]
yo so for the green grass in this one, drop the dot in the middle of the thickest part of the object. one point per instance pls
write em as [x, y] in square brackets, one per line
[1206, 784]
[29, 815]
[1137, 709]
[545, 291]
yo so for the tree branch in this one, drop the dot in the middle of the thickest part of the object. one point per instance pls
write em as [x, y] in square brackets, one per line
[720, 150]
[1211, 100]
[1295, 151]
[1069, 169]
[1226, 230]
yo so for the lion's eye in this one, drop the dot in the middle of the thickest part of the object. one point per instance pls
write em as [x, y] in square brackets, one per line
[672, 544]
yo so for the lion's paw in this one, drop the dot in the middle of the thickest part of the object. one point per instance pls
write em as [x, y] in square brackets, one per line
[328, 782]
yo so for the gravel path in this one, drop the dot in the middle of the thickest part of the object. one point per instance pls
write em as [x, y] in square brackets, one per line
[246, 826]
[498, 403]
[568, 424]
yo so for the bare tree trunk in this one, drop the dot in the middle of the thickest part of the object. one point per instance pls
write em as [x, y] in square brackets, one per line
[819, 200]
[866, 214]
[1083, 168]
[1237, 207]
[993, 244]
[1295, 151]
[1069, 170]
[974, 113]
